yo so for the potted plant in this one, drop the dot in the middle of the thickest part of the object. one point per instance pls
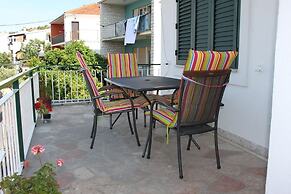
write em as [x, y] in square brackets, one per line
[42, 181]
[44, 107]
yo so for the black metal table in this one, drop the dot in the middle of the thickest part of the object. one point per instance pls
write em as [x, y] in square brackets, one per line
[145, 84]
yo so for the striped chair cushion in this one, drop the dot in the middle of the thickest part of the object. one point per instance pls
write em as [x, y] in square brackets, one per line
[125, 104]
[122, 65]
[209, 60]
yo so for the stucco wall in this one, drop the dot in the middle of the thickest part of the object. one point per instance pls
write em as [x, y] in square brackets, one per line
[279, 169]
[89, 29]
[247, 99]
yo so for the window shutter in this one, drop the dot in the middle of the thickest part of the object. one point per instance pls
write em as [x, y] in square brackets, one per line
[202, 28]
[226, 17]
[225, 24]
[184, 29]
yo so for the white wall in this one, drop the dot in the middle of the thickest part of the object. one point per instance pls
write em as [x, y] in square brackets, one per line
[38, 34]
[279, 168]
[248, 100]
[89, 29]
[4, 42]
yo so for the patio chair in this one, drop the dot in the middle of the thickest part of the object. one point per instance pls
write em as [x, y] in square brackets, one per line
[125, 65]
[198, 108]
[125, 105]
[202, 88]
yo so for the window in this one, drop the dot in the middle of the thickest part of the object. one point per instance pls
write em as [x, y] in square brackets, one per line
[207, 25]
[142, 10]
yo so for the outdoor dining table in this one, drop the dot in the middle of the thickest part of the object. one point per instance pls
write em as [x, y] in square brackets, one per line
[145, 84]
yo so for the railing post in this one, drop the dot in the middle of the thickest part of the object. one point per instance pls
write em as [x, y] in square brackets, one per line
[18, 118]
[32, 95]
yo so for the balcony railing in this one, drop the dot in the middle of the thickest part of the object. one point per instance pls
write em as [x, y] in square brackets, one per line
[118, 29]
[68, 86]
[17, 120]
[58, 39]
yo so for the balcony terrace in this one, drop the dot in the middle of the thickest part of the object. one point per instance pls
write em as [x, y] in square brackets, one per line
[115, 164]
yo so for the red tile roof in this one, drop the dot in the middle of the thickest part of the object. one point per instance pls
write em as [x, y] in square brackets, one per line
[92, 9]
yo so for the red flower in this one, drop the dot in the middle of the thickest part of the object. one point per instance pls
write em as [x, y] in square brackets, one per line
[37, 105]
[37, 149]
[49, 108]
[60, 162]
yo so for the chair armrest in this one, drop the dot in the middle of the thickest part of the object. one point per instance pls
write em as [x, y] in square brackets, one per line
[108, 93]
[155, 102]
[109, 87]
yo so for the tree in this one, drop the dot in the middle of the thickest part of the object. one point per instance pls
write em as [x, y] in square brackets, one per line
[5, 58]
[31, 50]
[66, 58]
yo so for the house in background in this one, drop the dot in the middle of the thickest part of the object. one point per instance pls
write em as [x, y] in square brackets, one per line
[78, 24]
[18, 39]
[113, 16]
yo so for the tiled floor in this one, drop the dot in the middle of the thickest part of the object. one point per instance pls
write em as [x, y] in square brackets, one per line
[115, 165]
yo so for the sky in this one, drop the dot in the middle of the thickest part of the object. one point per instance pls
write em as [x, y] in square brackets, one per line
[24, 11]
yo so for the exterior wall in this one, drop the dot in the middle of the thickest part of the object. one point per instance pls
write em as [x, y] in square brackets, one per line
[279, 169]
[109, 15]
[57, 29]
[89, 29]
[247, 110]
[4, 42]
[42, 35]
[129, 8]
[156, 38]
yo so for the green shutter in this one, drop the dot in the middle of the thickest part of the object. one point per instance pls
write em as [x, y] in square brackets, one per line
[202, 27]
[183, 29]
[226, 26]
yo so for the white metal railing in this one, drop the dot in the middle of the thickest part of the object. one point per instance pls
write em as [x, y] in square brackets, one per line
[68, 86]
[17, 120]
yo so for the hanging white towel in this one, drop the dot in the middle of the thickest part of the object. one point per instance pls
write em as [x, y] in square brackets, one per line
[131, 30]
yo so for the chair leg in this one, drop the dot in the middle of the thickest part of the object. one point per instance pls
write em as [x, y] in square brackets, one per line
[129, 122]
[110, 121]
[154, 124]
[94, 123]
[179, 156]
[189, 142]
[136, 114]
[195, 143]
[94, 133]
[134, 127]
[150, 137]
[144, 119]
[216, 150]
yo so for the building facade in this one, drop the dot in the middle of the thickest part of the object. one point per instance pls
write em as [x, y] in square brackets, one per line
[114, 15]
[78, 24]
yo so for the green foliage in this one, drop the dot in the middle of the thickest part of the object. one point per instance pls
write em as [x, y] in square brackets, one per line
[42, 182]
[6, 73]
[5, 58]
[65, 84]
[31, 51]
[66, 58]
